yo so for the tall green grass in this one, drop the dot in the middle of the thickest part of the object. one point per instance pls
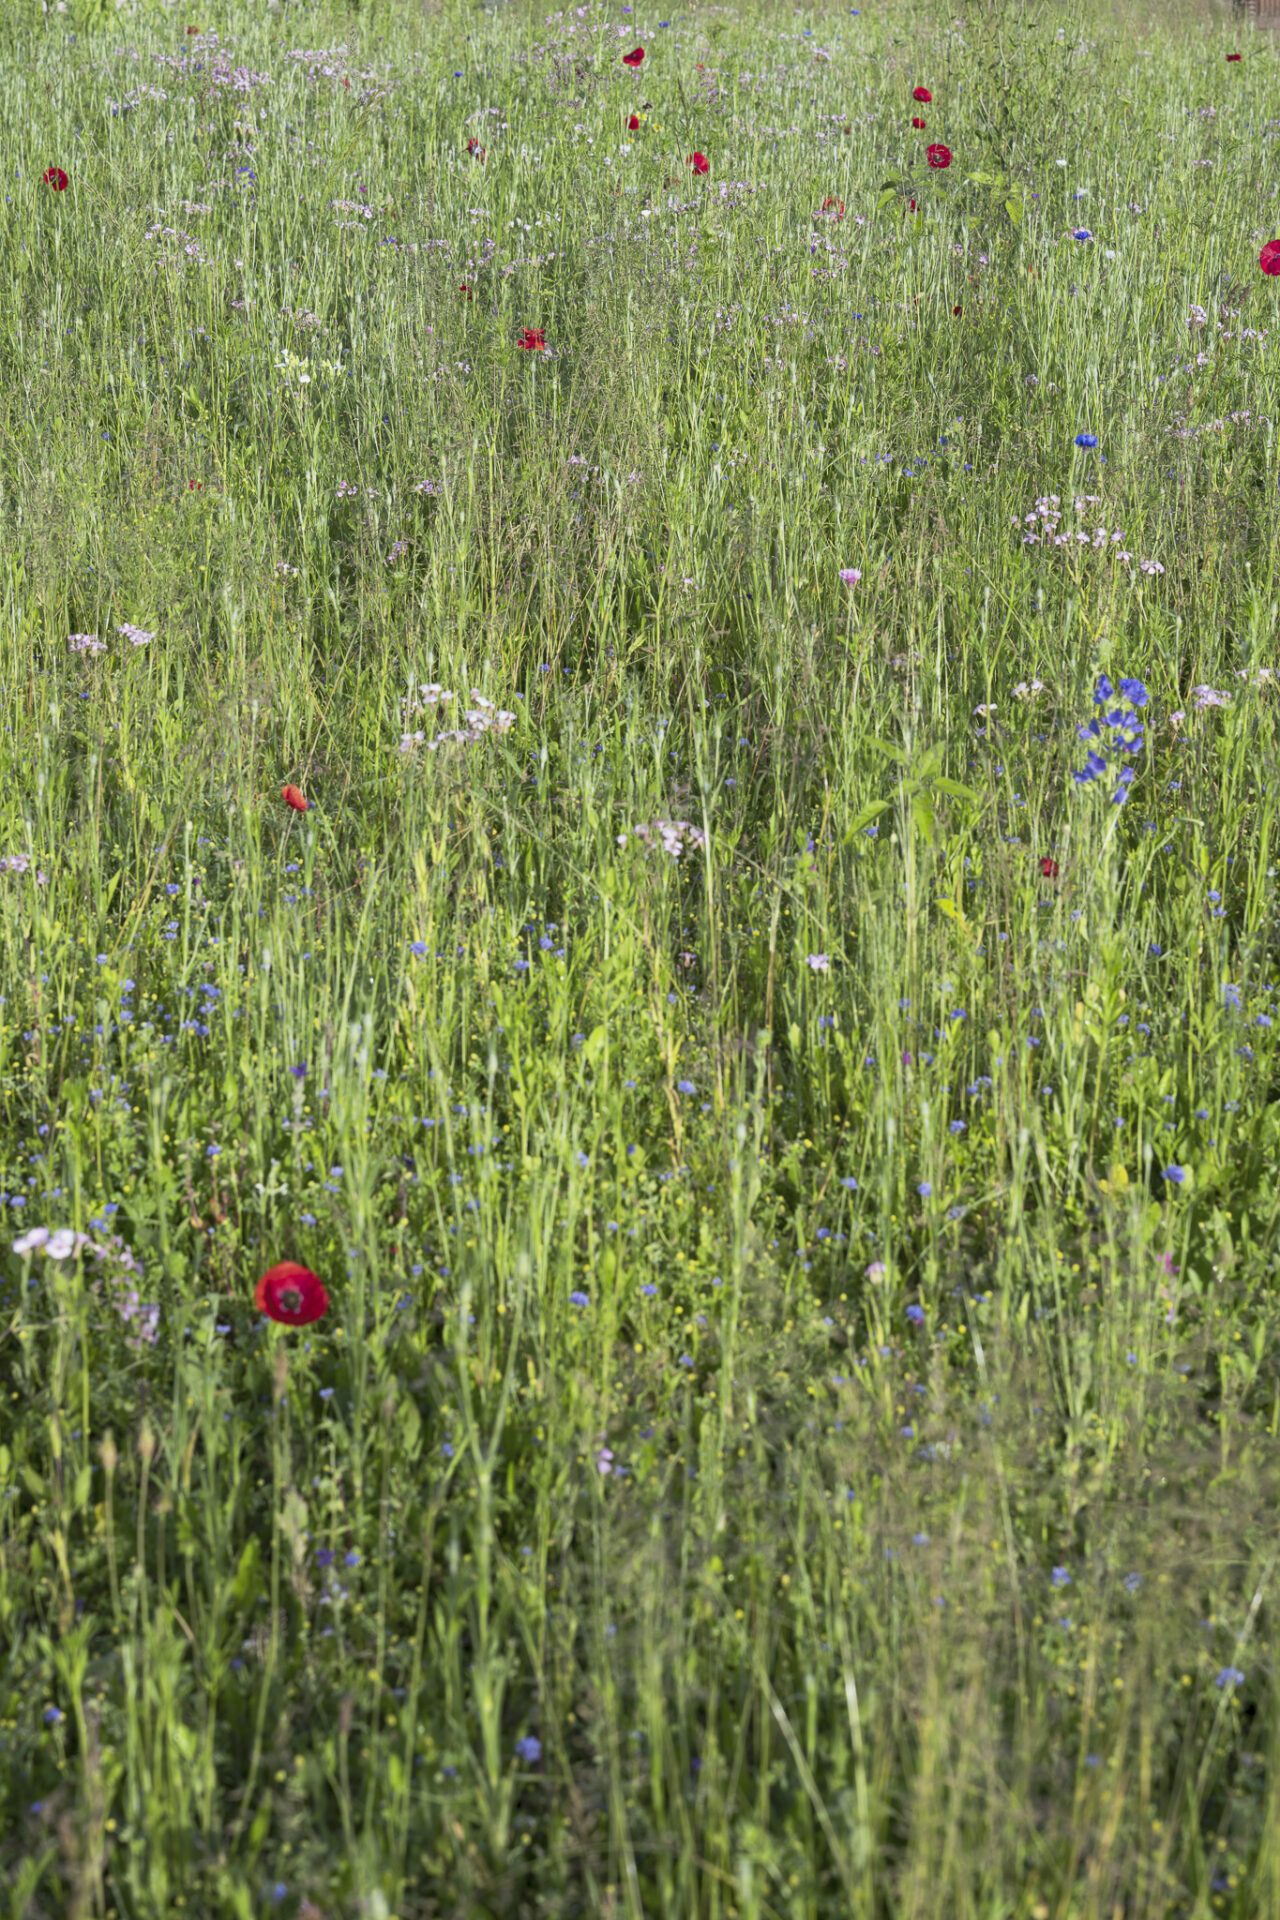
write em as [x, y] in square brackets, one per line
[619, 1543]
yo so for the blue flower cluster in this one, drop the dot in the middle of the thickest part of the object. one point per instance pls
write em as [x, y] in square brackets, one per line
[1116, 733]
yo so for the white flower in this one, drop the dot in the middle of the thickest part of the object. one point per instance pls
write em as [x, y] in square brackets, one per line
[63, 1244]
[32, 1241]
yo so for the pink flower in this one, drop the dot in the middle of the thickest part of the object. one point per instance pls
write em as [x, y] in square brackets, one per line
[851, 575]
[820, 962]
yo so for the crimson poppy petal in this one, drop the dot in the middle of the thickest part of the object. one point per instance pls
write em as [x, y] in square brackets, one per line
[54, 177]
[1269, 258]
[922, 94]
[293, 797]
[937, 155]
[291, 1295]
[633, 58]
[699, 162]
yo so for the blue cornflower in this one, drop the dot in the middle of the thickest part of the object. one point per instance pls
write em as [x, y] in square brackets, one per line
[417, 948]
[1230, 1677]
[1081, 233]
[925, 1189]
[915, 1314]
[1086, 440]
[685, 1086]
[1060, 1577]
[579, 1299]
[1175, 1174]
[530, 1748]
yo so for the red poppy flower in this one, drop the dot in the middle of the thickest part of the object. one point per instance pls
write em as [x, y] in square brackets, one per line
[922, 93]
[956, 312]
[633, 58]
[292, 797]
[1269, 258]
[533, 340]
[633, 124]
[476, 151]
[918, 123]
[465, 291]
[193, 29]
[54, 177]
[938, 155]
[699, 162]
[1235, 56]
[912, 205]
[832, 207]
[1049, 868]
[291, 1294]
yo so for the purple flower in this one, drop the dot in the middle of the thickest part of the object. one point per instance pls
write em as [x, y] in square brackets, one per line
[915, 1314]
[529, 1748]
[1175, 1174]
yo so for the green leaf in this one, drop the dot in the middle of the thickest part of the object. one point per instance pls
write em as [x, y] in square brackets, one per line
[922, 816]
[890, 751]
[957, 789]
[866, 816]
[1013, 207]
[248, 1580]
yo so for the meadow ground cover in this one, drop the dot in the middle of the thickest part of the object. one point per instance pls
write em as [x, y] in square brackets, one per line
[638, 1091]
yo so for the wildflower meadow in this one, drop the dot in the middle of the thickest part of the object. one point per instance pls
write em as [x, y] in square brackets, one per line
[639, 961]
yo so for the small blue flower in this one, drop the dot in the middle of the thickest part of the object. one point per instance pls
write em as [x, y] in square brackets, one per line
[1060, 1577]
[1081, 233]
[1086, 440]
[915, 1314]
[1230, 1677]
[1175, 1174]
[52, 1715]
[925, 1189]
[530, 1748]
[418, 948]
[685, 1086]
[579, 1299]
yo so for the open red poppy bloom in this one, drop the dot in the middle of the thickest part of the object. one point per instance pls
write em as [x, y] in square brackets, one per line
[1049, 868]
[465, 291]
[291, 1294]
[54, 177]
[633, 124]
[918, 123]
[833, 208]
[293, 797]
[923, 94]
[633, 58]
[476, 151]
[1235, 56]
[938, 155]
[533, 340]
[699, 162]
[1269, 258]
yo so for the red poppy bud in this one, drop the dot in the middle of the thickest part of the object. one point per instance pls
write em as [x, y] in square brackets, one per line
[292, 1295]
[957, 311]
[465, 291]
[633, 124]
[912, 205]
[1049, 868]
[476, 151]
[918, 123]
[938, 155]
[633, 58]
[1269, 258]
[292, 797]
[1235, 56]
[54, 177]
[699, 162]
[832, 207]
[923, 94]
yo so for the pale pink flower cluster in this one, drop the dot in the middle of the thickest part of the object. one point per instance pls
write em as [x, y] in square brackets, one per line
[675, 836]
[119, 1269]
[86, 643]
[1043, 526]
[21, 863]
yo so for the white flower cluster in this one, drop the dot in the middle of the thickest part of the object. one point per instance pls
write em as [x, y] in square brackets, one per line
[482, 717]
[675, 836]
[120, 1269]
